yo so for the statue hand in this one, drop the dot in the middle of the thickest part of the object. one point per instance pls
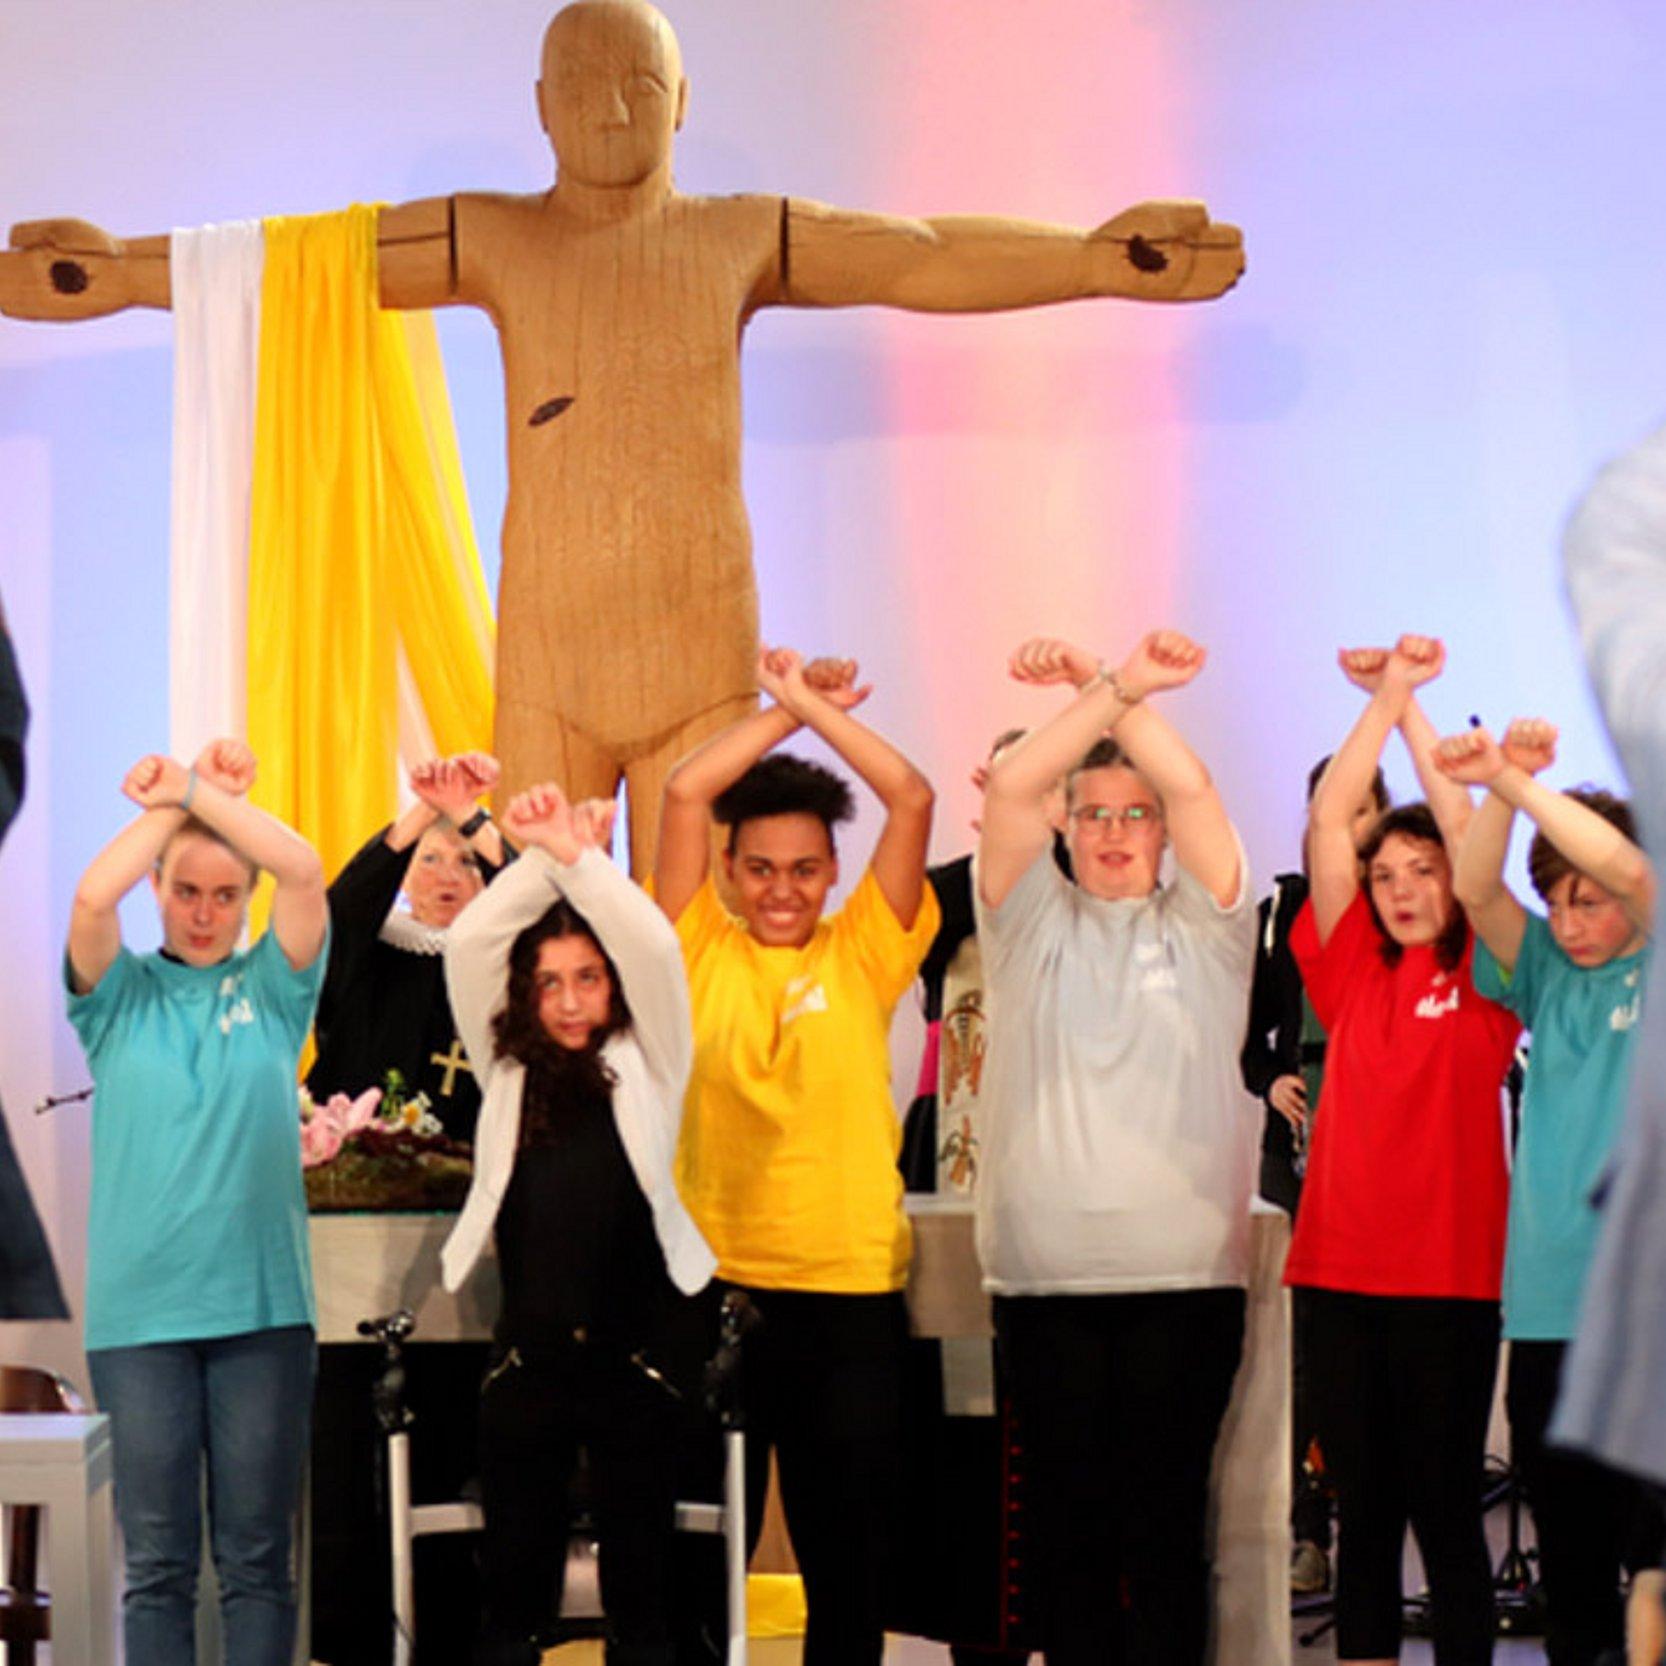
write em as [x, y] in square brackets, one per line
[65, 236]
[67, 269]
[1168, 250]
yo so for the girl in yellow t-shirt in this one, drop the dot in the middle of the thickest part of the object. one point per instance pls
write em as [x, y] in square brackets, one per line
[788, 1159]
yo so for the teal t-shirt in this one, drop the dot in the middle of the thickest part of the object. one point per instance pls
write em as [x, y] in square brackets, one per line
[1583, 1020]
[198, 1224]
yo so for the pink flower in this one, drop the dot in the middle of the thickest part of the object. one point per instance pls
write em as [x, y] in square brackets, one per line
[337, 1120]
[320, 1141]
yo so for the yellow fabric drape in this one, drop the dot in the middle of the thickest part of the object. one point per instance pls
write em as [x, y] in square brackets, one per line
[360, 540]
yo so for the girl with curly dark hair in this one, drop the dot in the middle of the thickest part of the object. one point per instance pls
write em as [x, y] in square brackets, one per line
[569, 981]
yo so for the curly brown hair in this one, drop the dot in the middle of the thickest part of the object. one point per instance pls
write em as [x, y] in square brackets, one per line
[555, 1075]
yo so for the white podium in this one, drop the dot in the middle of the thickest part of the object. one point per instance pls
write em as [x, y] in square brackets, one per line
[62, 1460]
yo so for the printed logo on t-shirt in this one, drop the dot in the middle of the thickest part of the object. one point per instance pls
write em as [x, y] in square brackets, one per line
[1159, 976]
[1624, 1017]
[1437, 1005]
[804, 995]
[237, 1009]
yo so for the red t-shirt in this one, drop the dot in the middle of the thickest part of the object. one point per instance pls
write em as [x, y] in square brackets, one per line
[1406, 1188]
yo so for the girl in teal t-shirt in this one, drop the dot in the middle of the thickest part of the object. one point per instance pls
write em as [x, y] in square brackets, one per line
[199, 1323]
[1575, 980]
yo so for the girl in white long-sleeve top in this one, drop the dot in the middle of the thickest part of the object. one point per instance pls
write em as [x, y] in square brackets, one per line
[567, 982]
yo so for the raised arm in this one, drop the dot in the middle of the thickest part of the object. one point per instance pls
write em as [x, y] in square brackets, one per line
[453, 788]
[1017, 824]
[94, 923]
[1391, 677]
[300, 909]
[685, 825]
[1590, 842]
[1202, 836]
[1475, 759]
[899, 859]
[1449, 800]
[1155, 251]
[634, 932]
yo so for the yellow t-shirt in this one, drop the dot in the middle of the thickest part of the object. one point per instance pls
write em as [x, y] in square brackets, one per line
[788, 1159]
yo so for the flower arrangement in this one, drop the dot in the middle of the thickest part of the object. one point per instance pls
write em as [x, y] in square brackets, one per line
[383, 1150]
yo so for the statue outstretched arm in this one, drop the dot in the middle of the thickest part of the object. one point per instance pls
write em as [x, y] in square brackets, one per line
[1155, 251]
[63, 270]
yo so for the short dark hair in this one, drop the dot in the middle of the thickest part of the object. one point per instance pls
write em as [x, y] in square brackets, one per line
[1105, 753]
[1412, 821]
[784, 785]
[1547, 867]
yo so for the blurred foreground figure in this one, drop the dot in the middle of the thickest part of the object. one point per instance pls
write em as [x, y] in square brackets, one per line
[28, 1281]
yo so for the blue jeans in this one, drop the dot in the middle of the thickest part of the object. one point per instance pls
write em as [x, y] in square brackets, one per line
[245, 1404]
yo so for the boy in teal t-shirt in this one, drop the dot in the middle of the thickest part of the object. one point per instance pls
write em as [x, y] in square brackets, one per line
[1576, 980]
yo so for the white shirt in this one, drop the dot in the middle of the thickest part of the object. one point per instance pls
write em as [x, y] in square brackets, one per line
[650, 1060]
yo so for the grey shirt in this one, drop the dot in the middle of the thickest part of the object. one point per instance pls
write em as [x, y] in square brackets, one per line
[1121, 1148]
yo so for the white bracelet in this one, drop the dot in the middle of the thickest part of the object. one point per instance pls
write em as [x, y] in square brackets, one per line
[190, 788]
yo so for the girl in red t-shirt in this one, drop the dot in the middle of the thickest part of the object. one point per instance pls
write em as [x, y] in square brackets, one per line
[1399, 1239]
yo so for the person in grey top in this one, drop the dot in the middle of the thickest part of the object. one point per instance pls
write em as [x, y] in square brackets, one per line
[1122, 1148]
[1613, 1400]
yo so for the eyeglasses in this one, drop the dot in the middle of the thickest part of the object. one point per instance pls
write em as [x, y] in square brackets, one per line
[1106, 816]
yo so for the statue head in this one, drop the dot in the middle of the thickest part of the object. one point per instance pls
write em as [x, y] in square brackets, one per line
[612, 93]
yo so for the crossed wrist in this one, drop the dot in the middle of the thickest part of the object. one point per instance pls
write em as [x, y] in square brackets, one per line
[1126, 687]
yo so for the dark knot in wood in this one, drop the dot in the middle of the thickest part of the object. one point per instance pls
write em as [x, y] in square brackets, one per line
[1145, 256]
[550, 409]
[69, 277]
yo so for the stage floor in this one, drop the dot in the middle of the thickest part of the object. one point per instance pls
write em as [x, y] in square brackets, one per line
[910, 1651]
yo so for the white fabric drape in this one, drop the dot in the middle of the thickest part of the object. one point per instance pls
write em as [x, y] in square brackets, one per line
[216, 279]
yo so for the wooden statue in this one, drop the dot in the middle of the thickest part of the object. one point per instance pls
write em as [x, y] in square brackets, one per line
[627, 606]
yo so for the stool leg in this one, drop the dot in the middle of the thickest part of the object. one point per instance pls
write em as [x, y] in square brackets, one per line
[399, 1527]
[101, 1550]
[68, 1527]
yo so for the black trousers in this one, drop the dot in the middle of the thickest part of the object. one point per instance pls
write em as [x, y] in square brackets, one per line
[1402, 1393]
[536, 1411]
[1119, 1401]
[822, 1386]
[1310, 1494]
[1583, 1513]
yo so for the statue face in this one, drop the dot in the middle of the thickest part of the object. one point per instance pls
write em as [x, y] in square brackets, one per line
[612, 92]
